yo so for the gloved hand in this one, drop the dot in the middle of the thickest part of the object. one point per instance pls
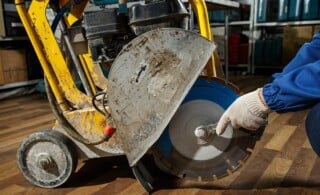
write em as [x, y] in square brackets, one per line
[248, 111]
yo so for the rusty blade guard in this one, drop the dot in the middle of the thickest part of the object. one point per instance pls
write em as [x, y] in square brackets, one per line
[148, 81]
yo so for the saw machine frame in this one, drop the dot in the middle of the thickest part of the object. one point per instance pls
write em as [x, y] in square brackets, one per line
[76, 117]
[74, 105]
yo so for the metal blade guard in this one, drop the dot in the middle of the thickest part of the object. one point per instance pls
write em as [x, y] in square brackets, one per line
[148, 81]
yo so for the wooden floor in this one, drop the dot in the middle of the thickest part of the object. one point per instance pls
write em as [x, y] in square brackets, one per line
[282, 161]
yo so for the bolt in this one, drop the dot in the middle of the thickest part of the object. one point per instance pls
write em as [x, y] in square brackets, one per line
[44, 161]
[199, 132]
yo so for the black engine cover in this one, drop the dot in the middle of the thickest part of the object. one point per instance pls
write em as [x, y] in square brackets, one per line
[103, 22]
[143, 18]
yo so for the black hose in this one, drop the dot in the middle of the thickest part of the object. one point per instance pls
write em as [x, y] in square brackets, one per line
[58, 17]
[103, 103]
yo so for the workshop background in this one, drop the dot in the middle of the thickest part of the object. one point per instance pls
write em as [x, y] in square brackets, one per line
[262, 37]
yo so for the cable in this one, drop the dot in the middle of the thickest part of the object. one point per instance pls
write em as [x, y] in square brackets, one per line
[58, 17]
[104, 103]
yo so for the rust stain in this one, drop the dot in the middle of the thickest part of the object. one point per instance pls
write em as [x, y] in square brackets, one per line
[142, 42]
[162, 62]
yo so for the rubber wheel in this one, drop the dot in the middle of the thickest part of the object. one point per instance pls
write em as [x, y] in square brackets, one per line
[143, 176]
[47, 158]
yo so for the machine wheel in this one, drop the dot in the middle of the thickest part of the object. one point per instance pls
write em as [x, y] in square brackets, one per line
[47, 158]
[143, 176]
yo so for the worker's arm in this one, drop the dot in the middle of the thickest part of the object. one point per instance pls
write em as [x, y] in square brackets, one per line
[297, 87]
[296, 90]
[308, 53]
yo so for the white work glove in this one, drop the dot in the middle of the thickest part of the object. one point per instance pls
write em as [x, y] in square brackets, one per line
[248, 111]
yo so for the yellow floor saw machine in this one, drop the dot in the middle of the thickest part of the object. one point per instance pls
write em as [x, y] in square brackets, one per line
[149, 85]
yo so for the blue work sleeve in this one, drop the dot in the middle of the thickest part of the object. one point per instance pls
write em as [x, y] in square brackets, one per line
[298, 85]
[308, 53]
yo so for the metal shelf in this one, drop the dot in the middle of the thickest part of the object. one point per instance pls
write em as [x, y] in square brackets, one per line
[219, 4]
[234, 23]
[19, 84]
[256, 26]
[22, 38]
[212, 4]
[268, 67]
[288, 23]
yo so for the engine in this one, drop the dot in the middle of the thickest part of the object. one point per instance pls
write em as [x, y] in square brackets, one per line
[109, 25]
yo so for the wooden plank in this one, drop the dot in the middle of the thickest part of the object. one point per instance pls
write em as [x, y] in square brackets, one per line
[298, 118]
[112, 172]
[8, 155]
[191, 191]
[274, 174]
[314, 179]
[272, 116]
[29, 124]
[98, 180]
[310, 191]
[32, 98]
[300, 169]
[11, 132]
[32, 190]
[7, 118]
[46, 123]
[10, 111]
[248, 178]
[266, 137]
[13, 189]
[186, 191]
[17, 179]
[212, 192]
[293, 144]
[11, 144]
[291, 191]
[307, 144]
[280, 138]
[87, 189]
[8, 104]
[278, 122]
[117, 186]
[135, 187]
[8, 169]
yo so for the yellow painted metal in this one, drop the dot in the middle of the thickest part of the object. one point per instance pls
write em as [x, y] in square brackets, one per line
[85, 65]
[37, 14]
[90, 124]
[93, 73]
[96, 73]
[76, 12]
[25, 19]
[199, 7]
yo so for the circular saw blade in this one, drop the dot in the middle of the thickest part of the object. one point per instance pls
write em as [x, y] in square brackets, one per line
[178, 151]
[191, 115]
